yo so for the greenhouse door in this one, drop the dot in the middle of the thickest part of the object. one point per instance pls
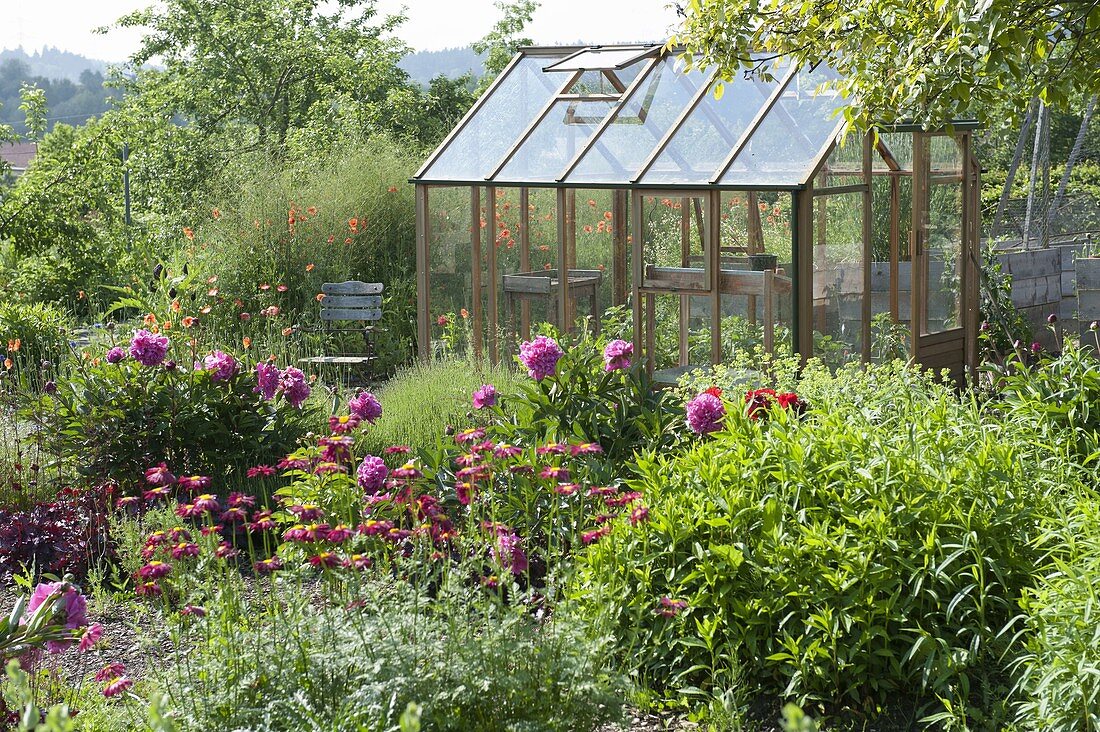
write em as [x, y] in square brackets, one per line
[940, 249]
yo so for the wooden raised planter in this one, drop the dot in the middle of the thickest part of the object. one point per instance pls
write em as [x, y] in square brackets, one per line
[1088, 297]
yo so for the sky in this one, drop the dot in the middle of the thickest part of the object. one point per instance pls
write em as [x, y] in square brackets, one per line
[431, 24]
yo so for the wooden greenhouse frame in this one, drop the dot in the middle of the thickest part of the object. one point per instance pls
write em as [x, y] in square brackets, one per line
[628, 121]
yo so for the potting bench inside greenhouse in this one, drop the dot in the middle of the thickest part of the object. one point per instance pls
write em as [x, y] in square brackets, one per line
[700, 216]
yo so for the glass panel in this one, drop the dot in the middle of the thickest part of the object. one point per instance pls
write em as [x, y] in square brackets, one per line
[599, 59]
[899, 145]
[450, 279]
[794, 132]
[556, 141]
[838, 278]
[943, 236]
[651, 110]
[711, 131]
[844, 166]
[891, 276]
[494, 128]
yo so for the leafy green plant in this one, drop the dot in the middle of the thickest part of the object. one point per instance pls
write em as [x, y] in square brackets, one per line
[876, 546]
[115, 420]
[33, 333]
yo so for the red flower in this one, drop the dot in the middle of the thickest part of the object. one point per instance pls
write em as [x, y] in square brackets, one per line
[714, 391]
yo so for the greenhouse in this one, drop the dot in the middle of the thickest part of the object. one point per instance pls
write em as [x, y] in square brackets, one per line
[697, 216]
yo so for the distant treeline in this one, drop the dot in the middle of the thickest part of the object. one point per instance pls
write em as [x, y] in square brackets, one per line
[71, 102]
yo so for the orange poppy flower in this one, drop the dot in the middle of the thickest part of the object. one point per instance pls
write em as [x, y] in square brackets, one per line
[216, 213]
[587, 229]
[15, 345]
[320, 296]
[312, 210]
[608, 215]
[464, 313]
[213, 292]
[392, 189]
[309, 267]
[353, 224]
[205, 310]
[166, 325]
[287, 331]
[332, 239]
[176, 306]
[348, 240]
[592, 202]
[281, 288]
[187, 321]
[265, 287]
[149, 319]
[188, 232]
[246, 342]
[211, 280]
[80, 295]
[7, 363]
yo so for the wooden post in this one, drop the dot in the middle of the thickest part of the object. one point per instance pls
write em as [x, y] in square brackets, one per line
[769, 312]
[685, 260]
[525, 258]
[636, 266]
[868, 254]
[490, 214]
[917, 255]
[895, 237]
[475, 268]
[804, 272]
[821, 315]
[423, 281]
[755, 228]
[712, 254]
[563, 260]
[618, 243]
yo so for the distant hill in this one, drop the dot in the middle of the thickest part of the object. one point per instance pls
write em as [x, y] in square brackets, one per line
[53, 63]
[424, 66]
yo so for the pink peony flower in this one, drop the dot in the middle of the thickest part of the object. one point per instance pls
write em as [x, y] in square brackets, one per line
[267, 379]
[148, 349]
[365, 406]
[705, 414]
[617, 355]
[372, 474]
[71, 603]
[540, 356]
[116, 354]
[292, 382]
[485, 396]
[221, 365]
[91, 636]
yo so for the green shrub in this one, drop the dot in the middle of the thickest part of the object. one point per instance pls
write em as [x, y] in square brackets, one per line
[1059, 675]
[469, 664]
[113, 421]
[42, 331]
[877, 546]
[421, 401]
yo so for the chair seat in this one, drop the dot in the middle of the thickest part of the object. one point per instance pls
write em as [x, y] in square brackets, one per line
[338, 360]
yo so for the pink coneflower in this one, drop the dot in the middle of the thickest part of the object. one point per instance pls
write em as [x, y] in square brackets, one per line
[211, 530]
[178, 533]
[483, 447]
[226, 550]
[589, 537]
[181, 550]
[465, 491]
[359, 561]
[233, 515]
[491, 581]
[327, 468]
[407, 471]
[305, 512]
[603, 490]
[193, 611]
[155, 494]
[148, 589]
[339, 534]
[194, 483]
[117, 686]
[669, 607]
[261, 521]
[472, 434]
[155, 570]
[603, 518]
[207, 502]
[552, 448]
[586, 448]
[110, 671]
[241, 500]
[324, 560]
[159, 475]
[397, 450]
[566, 489]
[365, 406]
[370, 527]
[344, 423]
[474, 472]
[187, 510]
[551, 472]
[622, 500]
[485, 396]
[468, 460]
[290, 463]
[261, 471]
[267, 566]
[128, 501]
[302, 533]
[639, 515]
[522, 470]
[90, 637]
[506, 451]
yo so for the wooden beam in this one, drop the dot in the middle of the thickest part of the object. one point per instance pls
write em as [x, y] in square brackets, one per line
[712, 252]
[895, 236]
[803, 272]
[868, 247]
[525, 258]
[918, 295]
[562, 198]
[675, 127]
[636, 265]
[761, 114]
[475, 269]
[423, 279]
[618, 244]
[491, 218]
[685, 257]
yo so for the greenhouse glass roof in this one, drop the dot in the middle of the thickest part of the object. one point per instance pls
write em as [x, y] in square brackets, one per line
[632, 116]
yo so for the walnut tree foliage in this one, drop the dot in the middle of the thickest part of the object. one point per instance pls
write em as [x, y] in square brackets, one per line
[921, 60]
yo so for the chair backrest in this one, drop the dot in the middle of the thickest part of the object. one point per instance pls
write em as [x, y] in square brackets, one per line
[351, 300]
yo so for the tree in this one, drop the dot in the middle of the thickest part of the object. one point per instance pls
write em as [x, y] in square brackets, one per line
[922, 60]
[269, 65]
[502, 42]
